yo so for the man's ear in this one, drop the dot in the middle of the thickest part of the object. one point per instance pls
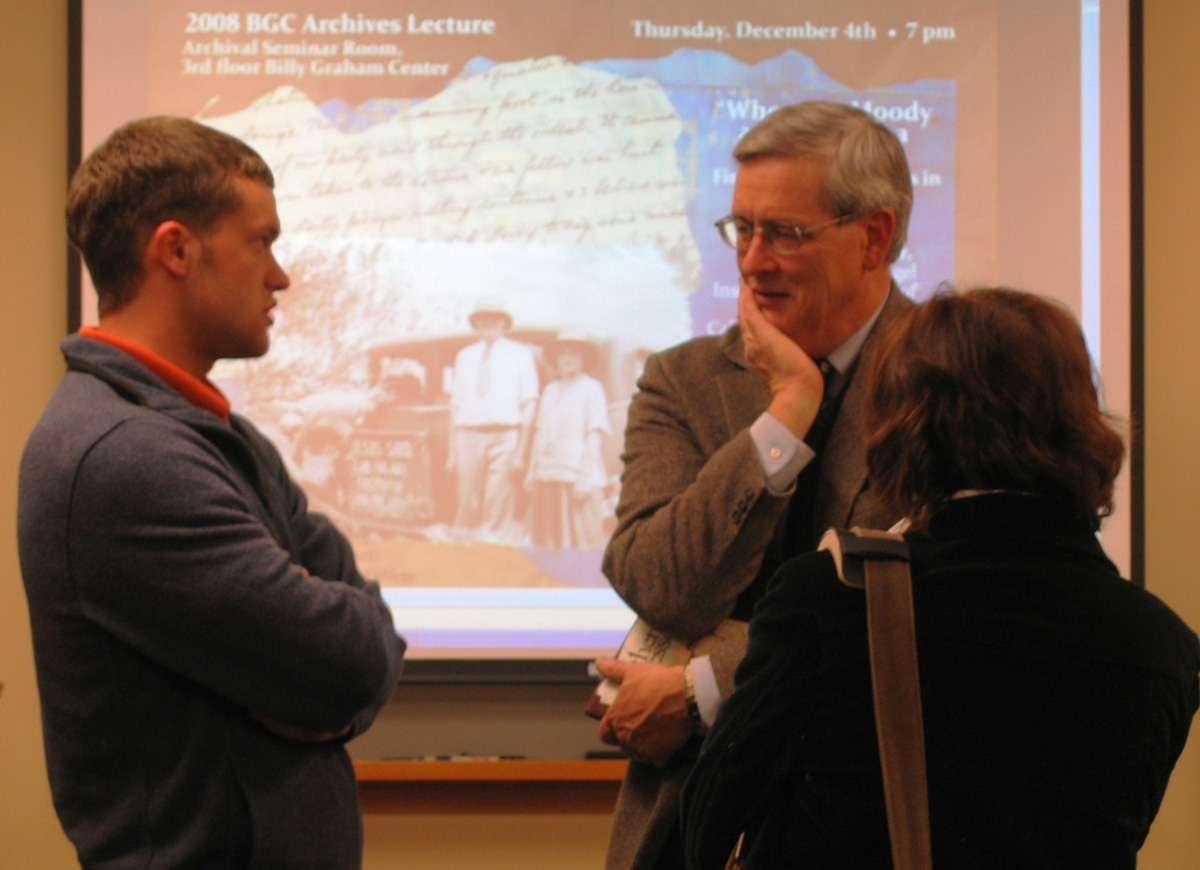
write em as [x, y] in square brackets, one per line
[881, 228]
[172, 246]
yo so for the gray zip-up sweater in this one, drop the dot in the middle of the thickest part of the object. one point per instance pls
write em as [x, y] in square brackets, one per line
[179, 590]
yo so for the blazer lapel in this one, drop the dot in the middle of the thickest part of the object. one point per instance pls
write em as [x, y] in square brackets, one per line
[743, 394]
[843, 473]
[843, 476]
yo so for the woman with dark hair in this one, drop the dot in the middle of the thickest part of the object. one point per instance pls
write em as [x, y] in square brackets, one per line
[990, 390]
[1056, 696]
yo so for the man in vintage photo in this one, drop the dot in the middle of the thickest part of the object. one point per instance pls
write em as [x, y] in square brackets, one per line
[493, 400]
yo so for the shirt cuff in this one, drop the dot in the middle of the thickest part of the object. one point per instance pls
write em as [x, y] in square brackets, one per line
[782, 454]
[704, 682]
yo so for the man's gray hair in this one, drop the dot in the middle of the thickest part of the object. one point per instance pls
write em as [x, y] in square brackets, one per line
[865, 162]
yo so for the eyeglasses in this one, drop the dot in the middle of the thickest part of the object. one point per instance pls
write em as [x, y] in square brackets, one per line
[782, 238]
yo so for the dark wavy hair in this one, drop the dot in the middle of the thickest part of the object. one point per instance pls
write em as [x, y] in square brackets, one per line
[149, 171]
[985, 390]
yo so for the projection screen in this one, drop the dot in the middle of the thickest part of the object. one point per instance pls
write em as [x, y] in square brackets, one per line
[565, 160]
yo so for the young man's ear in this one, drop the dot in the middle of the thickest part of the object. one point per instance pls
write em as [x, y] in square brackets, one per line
[172, 247]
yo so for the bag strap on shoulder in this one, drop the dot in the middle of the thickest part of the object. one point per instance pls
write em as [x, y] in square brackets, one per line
[851, 548]
[879, 561]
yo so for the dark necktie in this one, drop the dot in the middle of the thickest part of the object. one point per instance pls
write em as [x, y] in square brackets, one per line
[798, 532]
[483, 380]
[822, 424]
[799, 535]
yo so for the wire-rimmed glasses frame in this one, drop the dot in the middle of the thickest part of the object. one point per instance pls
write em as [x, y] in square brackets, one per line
[781, 237]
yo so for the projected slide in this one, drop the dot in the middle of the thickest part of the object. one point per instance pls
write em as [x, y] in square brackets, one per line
[555, 167]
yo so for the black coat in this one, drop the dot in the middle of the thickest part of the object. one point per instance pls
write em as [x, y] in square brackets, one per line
[1056, 699]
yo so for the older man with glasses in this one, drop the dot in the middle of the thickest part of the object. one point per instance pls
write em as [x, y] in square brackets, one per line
[742, 448]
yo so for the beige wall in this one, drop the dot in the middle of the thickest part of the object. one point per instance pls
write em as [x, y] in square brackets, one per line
[1172, 167]
[33, 310]
[33, 302]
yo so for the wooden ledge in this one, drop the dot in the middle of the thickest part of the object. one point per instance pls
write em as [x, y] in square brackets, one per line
[483, 786]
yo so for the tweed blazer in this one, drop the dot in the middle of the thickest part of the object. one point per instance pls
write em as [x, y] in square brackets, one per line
[695, 520]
